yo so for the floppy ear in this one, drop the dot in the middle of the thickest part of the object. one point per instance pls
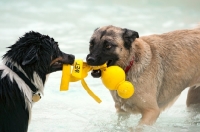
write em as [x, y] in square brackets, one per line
[129, 36]
[31, 56]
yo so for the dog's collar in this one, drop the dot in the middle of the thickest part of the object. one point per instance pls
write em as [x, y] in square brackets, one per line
[22, 76]
[129, 66]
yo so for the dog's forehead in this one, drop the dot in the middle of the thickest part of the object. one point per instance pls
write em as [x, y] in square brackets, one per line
[107, 32]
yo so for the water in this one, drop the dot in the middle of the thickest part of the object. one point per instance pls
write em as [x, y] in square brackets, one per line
[71, 23]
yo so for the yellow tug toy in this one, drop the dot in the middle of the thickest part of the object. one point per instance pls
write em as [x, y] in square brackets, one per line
[113, 78]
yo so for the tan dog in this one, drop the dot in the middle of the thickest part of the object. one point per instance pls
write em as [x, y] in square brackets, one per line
[159, 66]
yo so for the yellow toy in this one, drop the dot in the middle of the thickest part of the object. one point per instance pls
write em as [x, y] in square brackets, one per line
[113, 78]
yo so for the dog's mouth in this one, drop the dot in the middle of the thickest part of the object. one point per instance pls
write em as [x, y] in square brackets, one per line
[57, 64]
[97, 73]
[110, 63]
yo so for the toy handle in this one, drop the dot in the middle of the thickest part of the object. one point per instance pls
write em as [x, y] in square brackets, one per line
[79, 72]
[89, 91]
[65, 78]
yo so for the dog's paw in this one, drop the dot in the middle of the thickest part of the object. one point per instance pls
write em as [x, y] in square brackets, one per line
[96, 73]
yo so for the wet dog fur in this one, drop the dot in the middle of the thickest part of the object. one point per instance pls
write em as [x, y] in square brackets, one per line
[163, 66]
[36, 56]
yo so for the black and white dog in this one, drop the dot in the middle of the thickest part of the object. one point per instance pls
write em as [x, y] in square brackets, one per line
[23, 73]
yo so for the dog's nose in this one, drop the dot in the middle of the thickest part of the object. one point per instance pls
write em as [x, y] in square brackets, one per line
[90, 59]
[71, 57]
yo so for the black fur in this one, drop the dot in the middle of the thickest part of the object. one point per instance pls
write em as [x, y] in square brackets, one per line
[13, 113]
[103, 33]
[100, 54]
[129, 36]
[33, 52]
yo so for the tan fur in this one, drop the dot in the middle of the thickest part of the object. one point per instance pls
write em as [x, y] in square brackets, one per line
[164, 66]
[193, 96]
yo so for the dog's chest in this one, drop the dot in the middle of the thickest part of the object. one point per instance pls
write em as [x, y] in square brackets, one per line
[124, 104]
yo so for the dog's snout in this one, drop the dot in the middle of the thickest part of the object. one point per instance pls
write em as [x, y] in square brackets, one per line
[67, 58]
[90, 59]
[71, 57]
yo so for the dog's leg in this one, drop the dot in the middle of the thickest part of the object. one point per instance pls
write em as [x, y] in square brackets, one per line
[122, 115]
[193, 96]
[149, 116]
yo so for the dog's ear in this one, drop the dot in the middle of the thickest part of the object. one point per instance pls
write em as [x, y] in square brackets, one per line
[31, 56]
[96, 29]
[129, 36]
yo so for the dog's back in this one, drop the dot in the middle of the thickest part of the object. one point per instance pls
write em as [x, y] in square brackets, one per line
[177, 53]
[13, 116]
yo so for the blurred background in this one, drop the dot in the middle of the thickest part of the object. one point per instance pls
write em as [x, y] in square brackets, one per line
[71, 23]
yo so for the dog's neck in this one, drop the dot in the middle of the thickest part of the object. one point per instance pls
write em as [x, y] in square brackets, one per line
[22, 76]
[128, 67]
[36, 81]
[138, 59]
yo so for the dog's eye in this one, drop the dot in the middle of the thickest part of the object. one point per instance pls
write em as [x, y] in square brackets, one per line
[54, 55]
[91, 45]
[108, 46]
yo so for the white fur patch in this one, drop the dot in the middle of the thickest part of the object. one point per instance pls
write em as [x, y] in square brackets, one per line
[37, 81]
[21, 84]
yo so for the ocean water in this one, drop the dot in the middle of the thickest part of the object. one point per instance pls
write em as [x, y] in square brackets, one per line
[71, 23]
